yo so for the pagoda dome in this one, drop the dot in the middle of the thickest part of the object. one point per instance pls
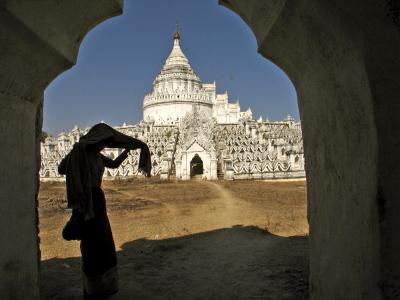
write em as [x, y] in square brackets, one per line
[176, 89]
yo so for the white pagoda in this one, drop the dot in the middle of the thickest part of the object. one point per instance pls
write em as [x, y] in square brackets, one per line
[194, 132]
[178, 88]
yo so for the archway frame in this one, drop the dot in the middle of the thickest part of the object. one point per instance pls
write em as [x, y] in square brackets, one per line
[342, 59]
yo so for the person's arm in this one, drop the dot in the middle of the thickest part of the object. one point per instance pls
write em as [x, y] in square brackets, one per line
[113, 164]
[62, 165]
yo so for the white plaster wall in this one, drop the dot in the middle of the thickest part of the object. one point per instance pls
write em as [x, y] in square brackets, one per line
[321, 46]
[18, 234]
[38, 40]
[173, 111]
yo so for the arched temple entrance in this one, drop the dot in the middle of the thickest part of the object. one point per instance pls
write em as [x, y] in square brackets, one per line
[343, 58]
[196, 166]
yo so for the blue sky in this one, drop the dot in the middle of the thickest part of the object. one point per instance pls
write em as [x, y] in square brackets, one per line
[119, 59]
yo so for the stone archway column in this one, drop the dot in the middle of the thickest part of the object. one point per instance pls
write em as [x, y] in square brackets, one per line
[19, 254]
[38, 40]
[343, 58]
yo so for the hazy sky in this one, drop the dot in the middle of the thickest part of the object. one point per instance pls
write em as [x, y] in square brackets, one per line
[119, 59]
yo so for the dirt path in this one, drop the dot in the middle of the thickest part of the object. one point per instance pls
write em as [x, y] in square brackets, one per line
[233, 210]
[184, 246]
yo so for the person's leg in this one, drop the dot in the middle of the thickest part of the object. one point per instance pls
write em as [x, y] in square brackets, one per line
[100, 274]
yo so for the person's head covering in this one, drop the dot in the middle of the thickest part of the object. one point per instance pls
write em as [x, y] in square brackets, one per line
[114, 139]
[77, 169]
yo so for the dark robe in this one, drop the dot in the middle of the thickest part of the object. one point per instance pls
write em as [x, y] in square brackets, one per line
[84, 169]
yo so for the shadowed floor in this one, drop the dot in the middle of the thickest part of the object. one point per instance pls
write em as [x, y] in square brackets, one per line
[231, 263]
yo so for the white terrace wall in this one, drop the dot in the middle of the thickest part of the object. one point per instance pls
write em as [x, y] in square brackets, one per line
[269, 150]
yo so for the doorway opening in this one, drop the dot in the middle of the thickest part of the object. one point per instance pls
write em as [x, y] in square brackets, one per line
[196, 166]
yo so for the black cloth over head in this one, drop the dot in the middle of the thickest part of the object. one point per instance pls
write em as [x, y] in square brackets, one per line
[76, 166]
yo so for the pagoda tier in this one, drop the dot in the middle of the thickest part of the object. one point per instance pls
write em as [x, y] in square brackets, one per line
[176, 89]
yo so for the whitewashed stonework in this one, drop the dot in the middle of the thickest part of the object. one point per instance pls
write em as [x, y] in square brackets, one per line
[177, 88]
[193, 131]
[195, 138]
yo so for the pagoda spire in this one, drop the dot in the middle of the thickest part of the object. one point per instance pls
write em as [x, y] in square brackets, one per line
[177, 35]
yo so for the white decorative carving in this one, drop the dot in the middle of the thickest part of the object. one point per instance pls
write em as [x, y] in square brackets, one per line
[185, 118]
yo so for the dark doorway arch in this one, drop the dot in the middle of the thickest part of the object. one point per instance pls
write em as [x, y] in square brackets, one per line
[196, 166]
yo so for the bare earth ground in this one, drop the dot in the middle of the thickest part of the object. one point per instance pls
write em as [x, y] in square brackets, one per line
[188, 240]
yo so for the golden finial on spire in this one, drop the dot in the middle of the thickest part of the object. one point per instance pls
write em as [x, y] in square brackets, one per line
[177, 36]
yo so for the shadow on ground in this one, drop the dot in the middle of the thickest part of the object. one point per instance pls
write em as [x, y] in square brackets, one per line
[231, 263]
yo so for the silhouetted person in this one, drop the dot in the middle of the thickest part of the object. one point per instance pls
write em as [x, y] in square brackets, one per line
[84, 168]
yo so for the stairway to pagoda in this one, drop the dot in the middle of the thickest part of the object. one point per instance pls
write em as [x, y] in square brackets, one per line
[220, 172]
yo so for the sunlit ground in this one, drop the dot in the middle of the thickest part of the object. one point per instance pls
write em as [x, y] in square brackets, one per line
[189, 240]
